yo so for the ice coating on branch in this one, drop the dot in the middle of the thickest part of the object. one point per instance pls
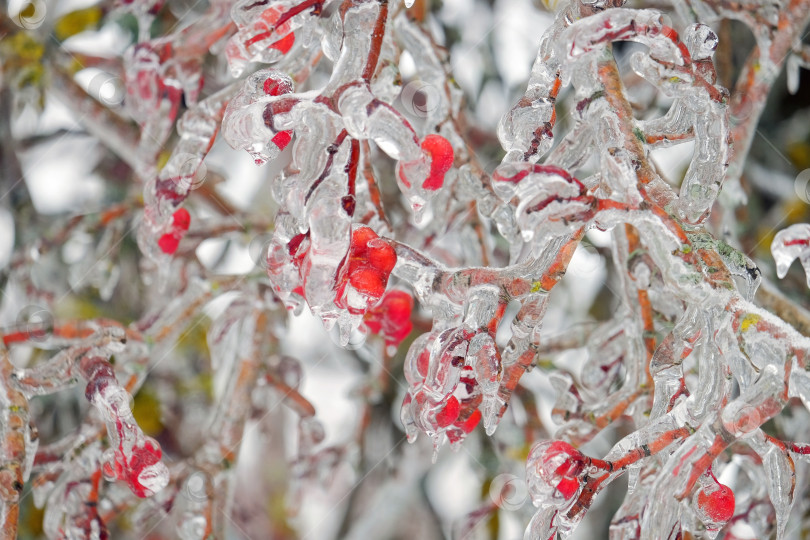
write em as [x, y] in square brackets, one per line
[780, 470]
[162, 74]
[525, 132]
[549, 198]
[542, 525]
[366, 117]
[548, 203]
[423, 165]
[151, 85]
[393, 225]
[265, 33]
[441, 98]
[160, 232]
[133, 458]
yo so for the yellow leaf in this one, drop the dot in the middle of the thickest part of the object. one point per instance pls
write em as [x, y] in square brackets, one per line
[77, 21]
[799, 154]
[146, 411]
[26, 47]
[748, 321]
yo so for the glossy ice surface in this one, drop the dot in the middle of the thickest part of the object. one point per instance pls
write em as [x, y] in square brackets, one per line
[423, 250]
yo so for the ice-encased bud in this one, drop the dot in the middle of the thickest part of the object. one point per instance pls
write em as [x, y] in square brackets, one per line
[701, 41]
[248, 120]
[259, 37]
[418, 359]
[715, 506]
[485, 359]
[553, 470]
[791, 244]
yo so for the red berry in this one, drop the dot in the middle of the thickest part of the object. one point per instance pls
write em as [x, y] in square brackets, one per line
[361, 236]
[368, 281]
[282, 139]
[367, 270]
[572, 463]
[381, 256]
[284, 44]
[449, 413]
[272, 87]
[181, 219]
[441, 160]
[396, 336]
[559, 467]
[130, 471]
[392, 316]
[568, 487]
[270, 16]
[717, 505]
[374, 324]
[423, 362]
[398, 305]
[366, 247]
[168, 243]
[469, 424]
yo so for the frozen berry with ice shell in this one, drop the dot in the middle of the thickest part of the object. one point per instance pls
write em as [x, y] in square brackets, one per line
[417, 361]
[431, 414]
[270, 16]
[441, 160]
[368, 280]
[143, 471]
[381, 256]
[364, 275]
[282, 139]
[361, 236]
[469, 424]
[554, 469]
[391, 318]
[448, 412]
[715, 505]
[367, 247]
[440, 155]
[277, 87]
[169, 242]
